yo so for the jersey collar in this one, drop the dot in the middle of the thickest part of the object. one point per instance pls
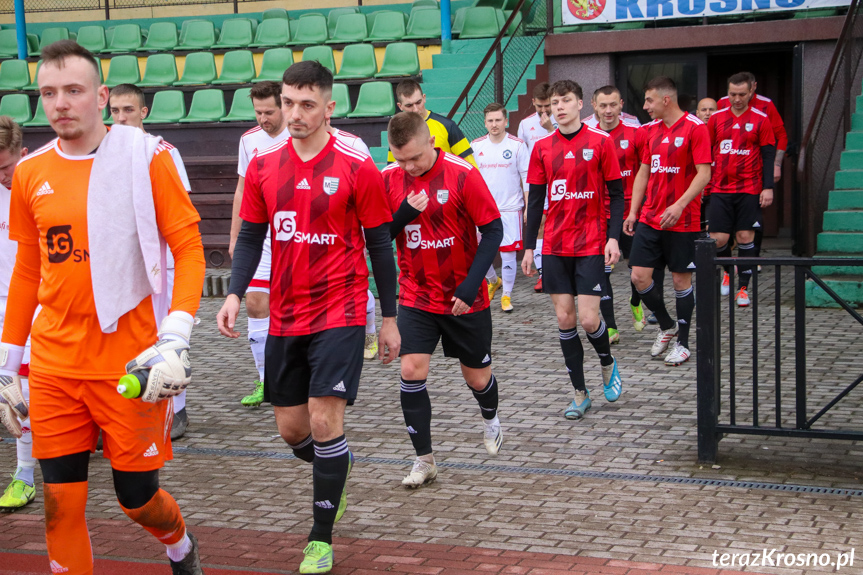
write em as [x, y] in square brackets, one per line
[321, 155]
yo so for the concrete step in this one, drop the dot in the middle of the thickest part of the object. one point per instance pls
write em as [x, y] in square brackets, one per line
[843, 221]
[840, 242]
[845, 199]
[849, 288]
[851, 160]
[849, 180]
[857, 122]
[854, 141]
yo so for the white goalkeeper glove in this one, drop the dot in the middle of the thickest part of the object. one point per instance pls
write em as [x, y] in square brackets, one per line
[13, 406]
[170, 370]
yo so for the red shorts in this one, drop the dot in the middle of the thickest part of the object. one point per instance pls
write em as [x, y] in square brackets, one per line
[66, 415]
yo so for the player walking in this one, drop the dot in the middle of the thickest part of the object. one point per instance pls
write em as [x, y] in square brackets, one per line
[316, 196]
[94, 273]
[675, 167]
[439, 201]
[576, 168]
[503, 161]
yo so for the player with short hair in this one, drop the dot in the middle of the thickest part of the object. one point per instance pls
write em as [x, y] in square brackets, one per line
[322, 202]
[675, 167]
[93, 267]
[503, 161]
[706, 108]
[594, 119]
[271, 130]
[742, 181]
[448, 136]
[628, 140]
[532, 128]
[128, 108]
[439, 201]
[22, 489]
[576, 169]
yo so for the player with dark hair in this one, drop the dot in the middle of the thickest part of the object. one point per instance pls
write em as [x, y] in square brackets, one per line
[322, 202]
[576, 169]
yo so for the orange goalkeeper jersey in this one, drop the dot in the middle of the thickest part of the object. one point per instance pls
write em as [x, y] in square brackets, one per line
[49, 210]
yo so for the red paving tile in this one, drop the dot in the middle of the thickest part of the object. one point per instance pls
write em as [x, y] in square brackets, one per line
[245, 552]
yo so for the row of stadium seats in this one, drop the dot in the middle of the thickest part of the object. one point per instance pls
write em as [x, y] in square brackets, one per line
[238, 67]
[375, 99]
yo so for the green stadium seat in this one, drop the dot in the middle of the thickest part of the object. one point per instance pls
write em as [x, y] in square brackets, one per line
[184, 27]
[274, 64]
[33, 44]
[275, 13]
[458, 21]
[200, 35]
[39, 118]
[311, 15]
[389, 27]
[375, 99]
[349, 29]
[34, 85]
[207, 106]
[162, 36]
[236, 33]
[432, 3]
[628, 26]
[400, 59]
[480, 22]
[358, 62]
[333, 17]
[242, 109]
[497, 4]
[123, 70]
[200, 68]
[51, 35]
[322, 54]
[16, 106]
[92, 38]
[342, 98]
[161, 70]
[817, 13]
[294, 26]
[272, 32]
[423, 24]
[312, 31]
[109, 33]
[169, 107]
[126, 38]
[238, 67]
[8, 44]
[503, 16]
[14, 75]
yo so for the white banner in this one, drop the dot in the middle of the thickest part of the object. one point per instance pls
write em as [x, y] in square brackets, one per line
[616, 11]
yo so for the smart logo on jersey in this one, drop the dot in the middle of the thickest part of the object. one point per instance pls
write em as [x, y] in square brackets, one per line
[507, 154]
[559, 192]
[415, 240]
[285, 224]
[656, 166]
[727, 147]
[60, 244]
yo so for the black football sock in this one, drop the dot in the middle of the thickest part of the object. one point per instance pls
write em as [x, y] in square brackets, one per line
[305, 449]
[685, 305]
[725, 252]
[745, 272]
[573, 357]
[635, 298]
[599, 341]
[487, 399]
[417, 409]
[606, 302]
[329, 473]
[652, 298]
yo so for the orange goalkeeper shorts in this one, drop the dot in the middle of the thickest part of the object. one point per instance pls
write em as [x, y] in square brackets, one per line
[66, 415]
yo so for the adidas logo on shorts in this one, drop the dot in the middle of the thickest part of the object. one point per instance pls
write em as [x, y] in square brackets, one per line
[304, 185]
[597, 288]
[411, 430]
[486, 359]
[756, 225]
[57, 568]
[325, 504]
[340, 386]
[152, 451]
[691, 266]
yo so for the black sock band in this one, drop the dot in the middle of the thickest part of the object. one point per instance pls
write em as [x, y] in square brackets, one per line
[573, 357]
[606, 302]
[305, 449]
[329, 473]
[487, 399]
[652, 298]
[599, 341]
[417, 410]
[635, 298]
[685, 305]
[725, 252]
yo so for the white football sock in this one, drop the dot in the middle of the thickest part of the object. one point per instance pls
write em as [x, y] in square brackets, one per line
[491, 275]
[180, 402]
[258, 329]
[179, 550]
[24, 445]
[370, 313]
[537, 255]
[507, 270]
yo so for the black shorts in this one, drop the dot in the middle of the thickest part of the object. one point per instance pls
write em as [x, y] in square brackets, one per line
[652, 248]
[731, 213]
[573, 275]
[705, 210]
[466, 337]
[323, 364]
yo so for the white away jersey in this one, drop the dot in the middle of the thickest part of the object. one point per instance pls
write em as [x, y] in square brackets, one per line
[628, 119]
[351, 140]
[254, 140]
[530, 130]
[504, 168]
[8, 248]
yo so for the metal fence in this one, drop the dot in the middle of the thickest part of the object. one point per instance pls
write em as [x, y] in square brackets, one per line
[105, 6]
[824, 139]
[501, 70]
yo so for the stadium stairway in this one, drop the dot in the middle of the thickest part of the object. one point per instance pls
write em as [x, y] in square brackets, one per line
[842, 234]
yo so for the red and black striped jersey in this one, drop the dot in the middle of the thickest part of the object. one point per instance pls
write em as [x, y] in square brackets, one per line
[736, 143]
[628, 140]
[766, 105]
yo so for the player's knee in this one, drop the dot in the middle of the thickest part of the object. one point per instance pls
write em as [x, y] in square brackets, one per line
[291, 434]
[745, 236]
[414, 368]
[324, 428]
[590, 322]
[135, 489]
[566, 318]
[65, 469]
[258, 305]
[640, 279]
[681, 281]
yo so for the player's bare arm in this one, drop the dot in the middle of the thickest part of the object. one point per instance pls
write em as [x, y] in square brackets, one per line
[235, 216]
[674, 211]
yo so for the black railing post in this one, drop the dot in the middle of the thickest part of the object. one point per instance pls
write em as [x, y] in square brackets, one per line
[237, 7]
[705, 329]
[498, 76]
[107, 10]
[800, 344]
[549, 16]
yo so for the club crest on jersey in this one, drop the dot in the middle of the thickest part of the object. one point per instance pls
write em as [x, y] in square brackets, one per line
[331, 186]
[442, 196]
[587, 155]
[749, 126]
[507, 154]
[624, 144]
[678, 141]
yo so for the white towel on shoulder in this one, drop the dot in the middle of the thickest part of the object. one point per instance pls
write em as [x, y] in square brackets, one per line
[126, 248]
